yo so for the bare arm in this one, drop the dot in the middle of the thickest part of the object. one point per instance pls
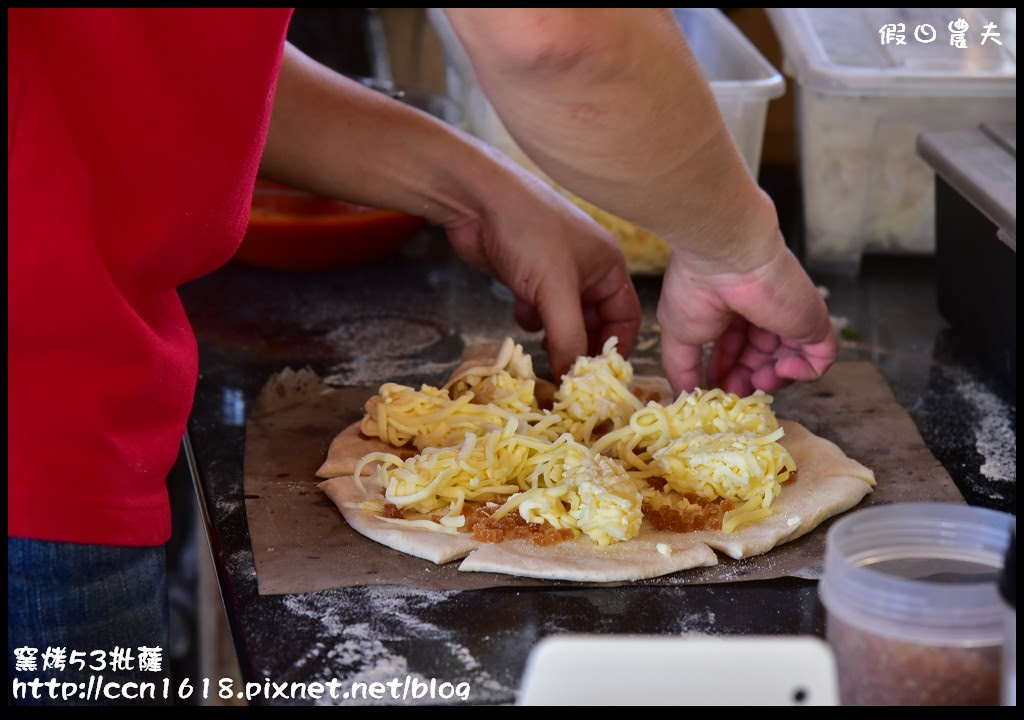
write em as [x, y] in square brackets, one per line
[612, 105]
[333, 136]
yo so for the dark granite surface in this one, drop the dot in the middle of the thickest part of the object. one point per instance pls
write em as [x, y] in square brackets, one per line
[407, 320]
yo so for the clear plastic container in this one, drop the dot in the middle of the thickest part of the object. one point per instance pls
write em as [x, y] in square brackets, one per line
[913, 610]
[861, 105]
[742, 80]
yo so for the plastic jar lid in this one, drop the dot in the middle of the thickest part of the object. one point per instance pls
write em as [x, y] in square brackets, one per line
[924, 573]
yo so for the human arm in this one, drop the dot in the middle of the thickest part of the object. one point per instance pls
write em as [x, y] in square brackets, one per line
[330, 135]
[612, 105]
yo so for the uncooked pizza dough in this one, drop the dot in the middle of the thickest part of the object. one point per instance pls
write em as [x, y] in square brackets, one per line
[827, 483]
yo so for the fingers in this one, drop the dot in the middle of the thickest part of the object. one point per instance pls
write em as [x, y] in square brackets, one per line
[617, 315]
[567, 273]
[743, 357]
[727, 353]
[612, 308]
[527, 316]
[769, 327]
[683, 365]
[580, 323]
[689, 316]
[812, 360]
[768, 363]
[565, 334]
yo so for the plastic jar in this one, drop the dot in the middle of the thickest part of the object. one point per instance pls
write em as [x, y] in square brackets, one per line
[913, 610]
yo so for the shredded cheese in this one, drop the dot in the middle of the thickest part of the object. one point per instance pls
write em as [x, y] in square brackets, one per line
[645, 252]
[402, 415]
[594, 392]
[562, 484]
[585, 464]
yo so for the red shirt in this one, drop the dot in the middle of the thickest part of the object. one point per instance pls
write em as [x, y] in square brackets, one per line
[133, 140]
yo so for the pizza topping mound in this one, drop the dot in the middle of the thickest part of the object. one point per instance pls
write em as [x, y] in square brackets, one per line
[430, 417]
[498, 462]
[562, 484]
[709, 444]
[595, 397]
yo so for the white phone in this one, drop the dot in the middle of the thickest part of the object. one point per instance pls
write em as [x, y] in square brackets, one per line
[679, 670]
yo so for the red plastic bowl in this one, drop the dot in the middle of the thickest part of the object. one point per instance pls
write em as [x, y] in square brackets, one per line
[294, 230]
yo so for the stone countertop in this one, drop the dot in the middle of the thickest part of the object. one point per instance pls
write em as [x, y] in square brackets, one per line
[407, 320]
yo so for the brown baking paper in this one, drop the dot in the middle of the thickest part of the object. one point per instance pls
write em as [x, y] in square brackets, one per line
[301, 543]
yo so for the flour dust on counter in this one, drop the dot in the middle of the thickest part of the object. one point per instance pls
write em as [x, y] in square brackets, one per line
[361, 371]
[401, 347]
[390, 336]
[994, 428]
[240, 562]
[403, 351]
[377, 662]
[228, 505]
[956, 398]
[701, 622]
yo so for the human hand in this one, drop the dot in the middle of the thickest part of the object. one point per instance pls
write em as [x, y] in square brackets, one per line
[567, 273]
[769, 325]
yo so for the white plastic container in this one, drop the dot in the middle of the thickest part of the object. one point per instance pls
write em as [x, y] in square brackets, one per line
[861, 105]
[742, 80]
[913, 609]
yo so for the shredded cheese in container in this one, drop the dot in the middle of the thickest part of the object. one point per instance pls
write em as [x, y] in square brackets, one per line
[646, 253]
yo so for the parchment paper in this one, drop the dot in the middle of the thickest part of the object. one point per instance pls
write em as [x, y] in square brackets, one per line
[301, 543]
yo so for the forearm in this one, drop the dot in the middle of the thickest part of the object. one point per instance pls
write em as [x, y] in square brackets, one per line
[331, 135]
[613, 106]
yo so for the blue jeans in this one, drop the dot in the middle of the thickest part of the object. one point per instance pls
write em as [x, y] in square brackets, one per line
[77, 616]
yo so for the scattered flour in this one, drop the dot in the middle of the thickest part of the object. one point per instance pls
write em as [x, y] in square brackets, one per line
[363, 371]
[701, 622]
[386, 335]
[227, 505]
[396, 357]
[995, 438]
[377, 651]
[240, 564]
